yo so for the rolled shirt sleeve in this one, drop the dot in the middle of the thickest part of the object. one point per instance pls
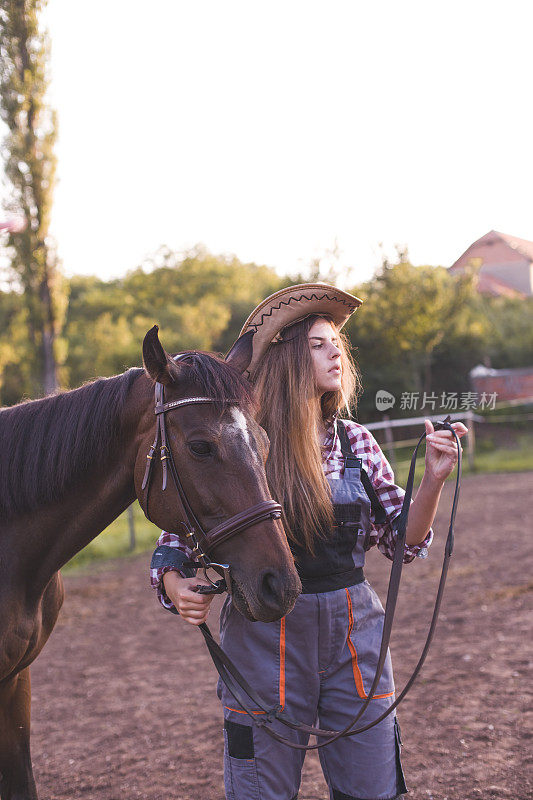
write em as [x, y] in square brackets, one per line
[156, 574]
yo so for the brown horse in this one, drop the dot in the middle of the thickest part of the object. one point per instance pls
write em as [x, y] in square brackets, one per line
[70, 464]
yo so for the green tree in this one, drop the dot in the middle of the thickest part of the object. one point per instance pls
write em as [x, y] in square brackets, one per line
[199, 300]
[409, 316]
[511, 325]
[30, 165]
[207, 281]
[13, 347]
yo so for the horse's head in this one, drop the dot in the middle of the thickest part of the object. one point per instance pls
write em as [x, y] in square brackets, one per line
[219, 452]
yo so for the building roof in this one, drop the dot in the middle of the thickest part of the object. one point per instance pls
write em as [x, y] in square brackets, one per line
[522, 247]
[504, 264]
[488, 284]
[481, 371]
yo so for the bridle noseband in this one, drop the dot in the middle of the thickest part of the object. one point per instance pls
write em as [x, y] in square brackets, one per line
[199, 540]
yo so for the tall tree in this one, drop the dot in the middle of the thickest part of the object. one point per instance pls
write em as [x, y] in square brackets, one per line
[30, 165]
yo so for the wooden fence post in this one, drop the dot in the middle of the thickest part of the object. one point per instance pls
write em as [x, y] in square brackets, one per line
[389, 438]
[131, 525]
[470, 440]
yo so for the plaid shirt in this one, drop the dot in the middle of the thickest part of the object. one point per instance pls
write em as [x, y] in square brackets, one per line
[379, 471]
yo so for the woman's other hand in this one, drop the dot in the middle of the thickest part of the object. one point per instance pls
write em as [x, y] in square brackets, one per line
[192, 606]
[441, 450]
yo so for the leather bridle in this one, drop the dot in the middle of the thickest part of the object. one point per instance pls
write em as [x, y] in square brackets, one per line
[200, 541]
[244, 693]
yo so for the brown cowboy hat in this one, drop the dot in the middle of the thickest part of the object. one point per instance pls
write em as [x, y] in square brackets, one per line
[283, 308]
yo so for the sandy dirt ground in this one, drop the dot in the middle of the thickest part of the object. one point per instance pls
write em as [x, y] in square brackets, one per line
[123, 694]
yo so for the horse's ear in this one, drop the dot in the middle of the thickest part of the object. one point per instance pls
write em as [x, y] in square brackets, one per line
[158, 365]
[240, 354]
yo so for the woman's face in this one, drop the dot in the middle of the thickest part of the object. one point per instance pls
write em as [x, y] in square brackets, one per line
[326, 356]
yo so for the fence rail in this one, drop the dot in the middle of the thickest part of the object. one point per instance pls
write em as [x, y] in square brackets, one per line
[469, 417]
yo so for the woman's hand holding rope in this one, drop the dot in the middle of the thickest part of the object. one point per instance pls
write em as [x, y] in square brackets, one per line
[441, 458]
[193, 607]
[441, 450]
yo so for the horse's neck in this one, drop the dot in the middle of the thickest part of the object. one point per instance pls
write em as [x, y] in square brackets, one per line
[54, 534]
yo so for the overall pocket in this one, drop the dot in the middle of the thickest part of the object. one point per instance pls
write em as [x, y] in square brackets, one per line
[240, 770]
[402, 788]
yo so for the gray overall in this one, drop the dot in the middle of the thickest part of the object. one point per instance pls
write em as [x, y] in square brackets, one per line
[318, 662]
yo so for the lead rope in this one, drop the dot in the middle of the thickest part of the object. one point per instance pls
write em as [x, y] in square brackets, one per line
[239, 687]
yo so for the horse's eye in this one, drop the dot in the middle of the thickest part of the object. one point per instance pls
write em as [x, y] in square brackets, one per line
[200, 448]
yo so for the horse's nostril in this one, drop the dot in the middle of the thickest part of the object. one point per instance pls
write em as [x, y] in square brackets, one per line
[270, 587]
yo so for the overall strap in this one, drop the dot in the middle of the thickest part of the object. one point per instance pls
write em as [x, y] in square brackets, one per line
[350, 462]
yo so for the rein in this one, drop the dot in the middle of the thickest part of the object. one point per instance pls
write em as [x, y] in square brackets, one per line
[199, 540]
[243, 692]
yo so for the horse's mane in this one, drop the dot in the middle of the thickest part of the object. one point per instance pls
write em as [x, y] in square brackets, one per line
[215, 378]
[47, 444]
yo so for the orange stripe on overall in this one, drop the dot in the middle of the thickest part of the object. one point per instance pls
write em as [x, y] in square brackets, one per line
[355, 666]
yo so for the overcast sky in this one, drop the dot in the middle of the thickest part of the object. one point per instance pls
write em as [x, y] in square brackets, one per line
[270, 129]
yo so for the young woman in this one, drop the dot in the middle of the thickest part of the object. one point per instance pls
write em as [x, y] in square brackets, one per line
[339, 499]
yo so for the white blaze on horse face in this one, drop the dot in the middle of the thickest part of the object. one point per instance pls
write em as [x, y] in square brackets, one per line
[240, 426]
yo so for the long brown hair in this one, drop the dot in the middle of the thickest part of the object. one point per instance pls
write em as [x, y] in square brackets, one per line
[289, 411]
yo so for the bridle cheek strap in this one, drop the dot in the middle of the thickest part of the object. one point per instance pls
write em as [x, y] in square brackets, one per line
[160, 431]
